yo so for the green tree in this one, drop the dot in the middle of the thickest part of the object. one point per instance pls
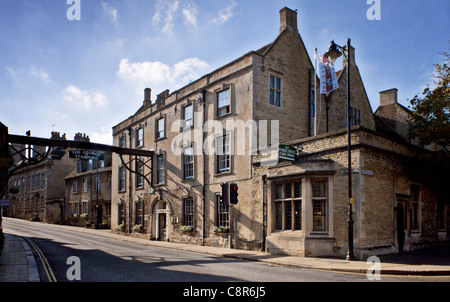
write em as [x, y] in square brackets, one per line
[430, 121]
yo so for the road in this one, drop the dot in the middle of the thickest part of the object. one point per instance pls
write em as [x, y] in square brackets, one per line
[109, 260]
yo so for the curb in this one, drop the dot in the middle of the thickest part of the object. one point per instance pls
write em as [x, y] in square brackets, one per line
[33, 274]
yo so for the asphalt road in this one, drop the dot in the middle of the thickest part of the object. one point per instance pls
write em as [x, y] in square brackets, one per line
[100, 259]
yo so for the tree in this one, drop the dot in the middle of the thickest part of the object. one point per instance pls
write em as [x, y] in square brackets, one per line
[430, 122]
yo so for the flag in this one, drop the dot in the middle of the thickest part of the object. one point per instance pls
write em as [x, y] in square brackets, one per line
[328, 79]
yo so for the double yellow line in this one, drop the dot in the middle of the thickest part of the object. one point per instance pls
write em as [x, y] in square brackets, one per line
[48, 270]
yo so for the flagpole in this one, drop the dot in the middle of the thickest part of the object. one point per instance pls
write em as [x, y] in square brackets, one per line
[315, 91]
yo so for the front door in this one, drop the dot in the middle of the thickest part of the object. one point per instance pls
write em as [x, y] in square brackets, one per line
[401, 219]
[162, 226]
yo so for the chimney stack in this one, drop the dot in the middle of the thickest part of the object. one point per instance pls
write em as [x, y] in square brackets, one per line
[288, 20]
[147, 97]
[388, 97]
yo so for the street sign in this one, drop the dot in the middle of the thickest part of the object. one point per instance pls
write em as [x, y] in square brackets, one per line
[5, 202]
[86, 154]
[287, 152]
[6, 160]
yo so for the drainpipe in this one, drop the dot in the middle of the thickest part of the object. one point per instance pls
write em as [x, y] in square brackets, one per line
[263, 246]
[129, 185]
[203, 92]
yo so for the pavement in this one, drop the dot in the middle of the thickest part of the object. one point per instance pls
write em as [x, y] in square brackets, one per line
[17, 263]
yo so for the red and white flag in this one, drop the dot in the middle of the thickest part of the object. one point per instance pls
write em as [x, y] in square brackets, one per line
[327, 74]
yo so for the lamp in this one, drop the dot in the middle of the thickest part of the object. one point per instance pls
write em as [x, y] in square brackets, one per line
[334, 52]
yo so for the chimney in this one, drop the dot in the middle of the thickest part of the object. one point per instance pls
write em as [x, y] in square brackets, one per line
[161, 99]
[147, 97]
[288, 20]
[388, 97]
[57, 135]
[81, 137]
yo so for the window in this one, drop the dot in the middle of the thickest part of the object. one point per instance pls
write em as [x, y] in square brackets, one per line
[288, 206]
[223, 103]
[355, 116]
[139, 219]
[223, 217]
[160, 169]
[121, 214]
[84, 207]
[188, 163]
[188, 116]
[121, 178]
[140, 171]
[223, 153]
[85, 184]
[188, 211]
[319, 203]
[275, 91]
[96, 183]
[160, 128]
[139, 137]
[415, 207]
[122, 141]
[73, 208]
[75, 187]
[79, 166]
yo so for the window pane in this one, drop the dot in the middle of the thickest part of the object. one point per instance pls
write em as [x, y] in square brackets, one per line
[297, 215]
[272, 97]
[297, 189]
[188, 116]
[278, 101]
[287, 190]
[319, 189]
[319, 215]
[279, 191]
[272, 82]
[278, 87]
[278, 216]
[288, 215]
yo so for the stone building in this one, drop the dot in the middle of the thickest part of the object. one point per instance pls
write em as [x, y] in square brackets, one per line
[226, 127]
[88, 192]
[39, 188]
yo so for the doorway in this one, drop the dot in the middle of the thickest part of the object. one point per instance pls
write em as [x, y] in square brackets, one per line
[162, 226]
[160, 221]
[401, 225]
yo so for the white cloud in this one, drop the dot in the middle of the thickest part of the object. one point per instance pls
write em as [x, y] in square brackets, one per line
[110, 11]
[32, 73]
[224, 14]
[159, 76]
[104, 136]
[190, 12]
[165, 9]
[84, 100]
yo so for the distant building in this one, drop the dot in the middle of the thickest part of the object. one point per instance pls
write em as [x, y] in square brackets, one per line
[88, 192]
[39, 188]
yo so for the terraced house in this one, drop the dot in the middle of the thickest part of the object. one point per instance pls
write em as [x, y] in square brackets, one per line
[226, 126]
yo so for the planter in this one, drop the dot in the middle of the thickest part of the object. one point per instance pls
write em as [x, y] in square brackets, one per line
[186, 229]
[221, 230]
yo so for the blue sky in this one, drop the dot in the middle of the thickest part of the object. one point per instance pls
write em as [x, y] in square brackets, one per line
[87, 75]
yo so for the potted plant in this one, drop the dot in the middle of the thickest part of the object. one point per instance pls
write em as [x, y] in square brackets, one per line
[138, 228]
[120, 227]
[186, 228]
[221, 230]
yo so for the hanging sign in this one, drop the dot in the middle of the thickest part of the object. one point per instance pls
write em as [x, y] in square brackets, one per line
[86, 154]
